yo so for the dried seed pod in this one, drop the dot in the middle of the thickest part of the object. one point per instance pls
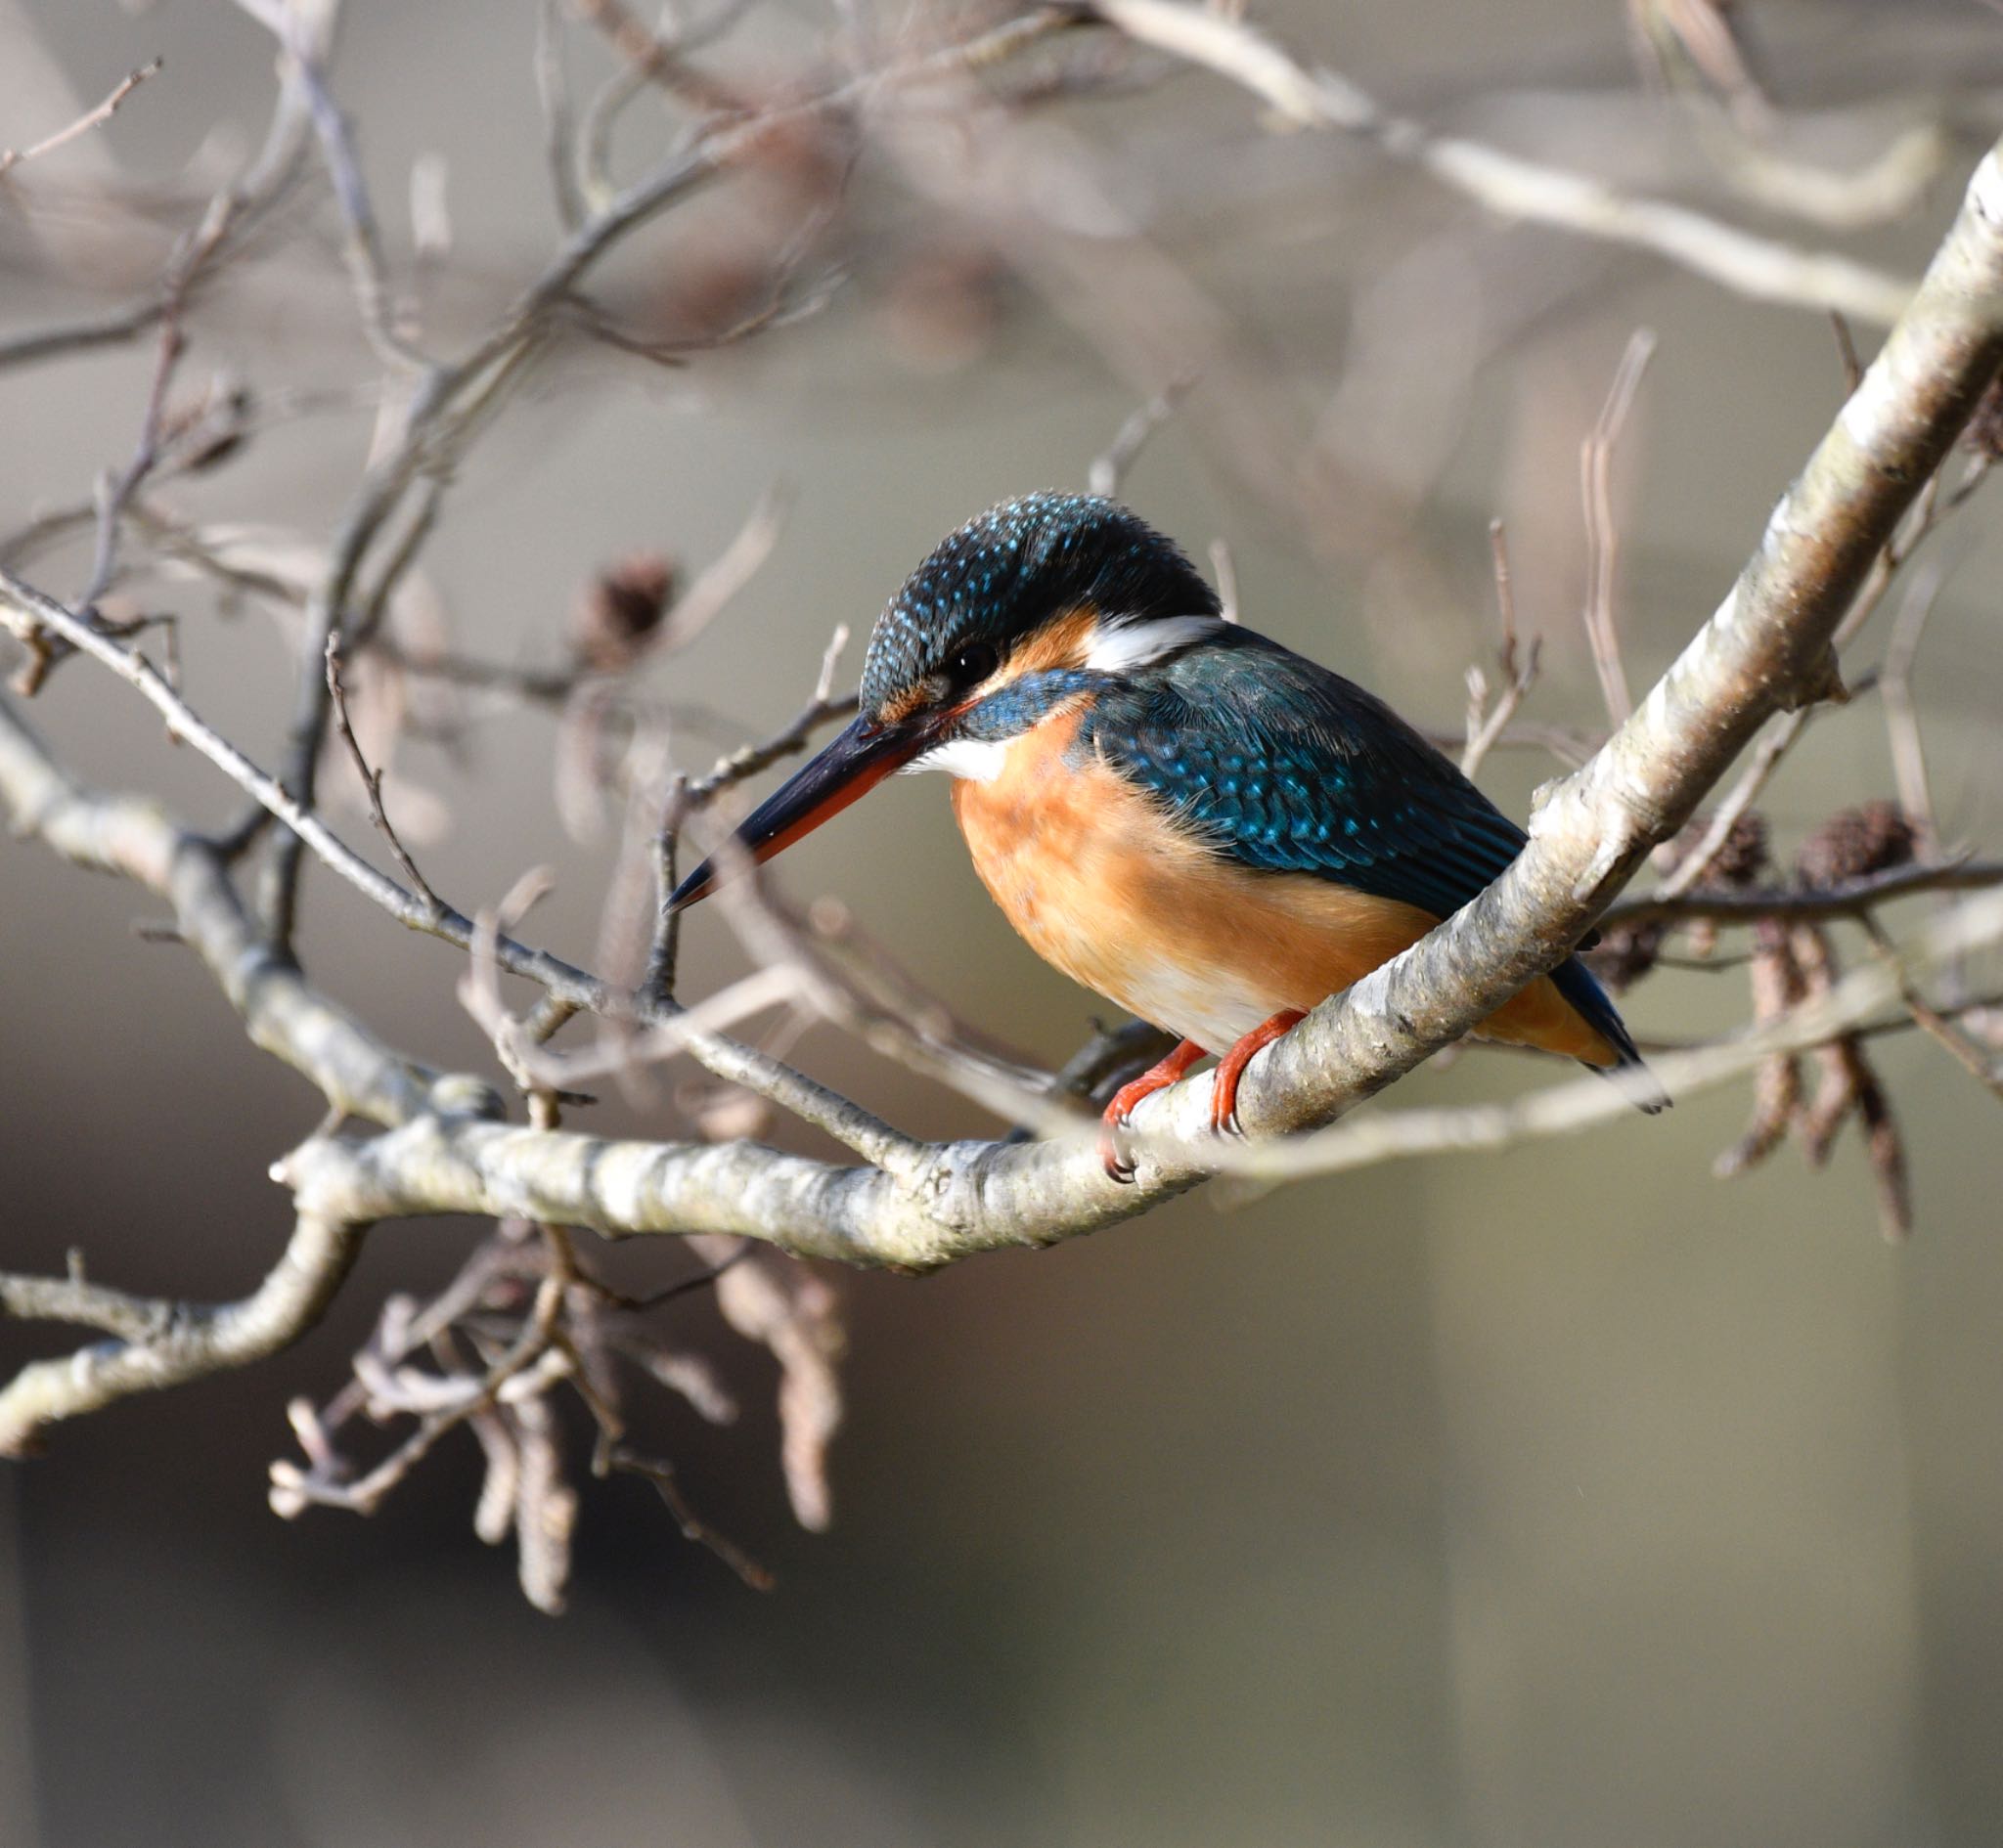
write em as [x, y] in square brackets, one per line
[1855, 843]
[1741, 856]
[1777, 987]
[1736, 864]
[1886, 1148]
[619, 611]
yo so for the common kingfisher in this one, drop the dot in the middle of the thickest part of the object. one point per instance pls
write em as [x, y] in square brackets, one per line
[1176, 812]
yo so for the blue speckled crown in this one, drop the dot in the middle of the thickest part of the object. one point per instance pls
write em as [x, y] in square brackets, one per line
[1007, 570]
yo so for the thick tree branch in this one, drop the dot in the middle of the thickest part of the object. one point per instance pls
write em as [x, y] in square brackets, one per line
[621, 1188]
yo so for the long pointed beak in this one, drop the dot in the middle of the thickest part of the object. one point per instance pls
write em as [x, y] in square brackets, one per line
[850, 766]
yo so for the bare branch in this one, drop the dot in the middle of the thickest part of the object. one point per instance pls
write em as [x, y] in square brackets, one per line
[1514, 188]
[193, 1341]
[11, 158]
[355, 1072]
[1602, 529]
[1486, 723]
[1853, 899]
[372, 780]
[1110, 469]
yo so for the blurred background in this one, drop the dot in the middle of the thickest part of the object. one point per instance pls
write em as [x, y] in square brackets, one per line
[1561, 1497]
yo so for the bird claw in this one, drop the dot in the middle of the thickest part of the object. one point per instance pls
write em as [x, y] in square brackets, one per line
[1224, 1095]
[1113, 1153]
[1113, 1157]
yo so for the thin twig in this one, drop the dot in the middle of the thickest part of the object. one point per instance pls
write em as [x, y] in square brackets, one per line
[1110, 469]
[1602, 530]
[662, 1476]
[1519, 666]
[372, 781]
[11, 158]
[1901, 716]
[1981, 1065]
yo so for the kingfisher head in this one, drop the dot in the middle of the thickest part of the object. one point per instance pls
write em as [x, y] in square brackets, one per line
[1027, 606]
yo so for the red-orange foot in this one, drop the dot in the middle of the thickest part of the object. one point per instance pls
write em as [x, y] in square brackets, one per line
[1157, 1078]
[1224, 1097]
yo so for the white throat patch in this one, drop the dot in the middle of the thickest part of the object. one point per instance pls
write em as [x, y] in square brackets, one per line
[972, 760]
[1119, 647]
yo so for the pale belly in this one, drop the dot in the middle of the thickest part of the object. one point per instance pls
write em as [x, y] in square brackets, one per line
[1090, 873]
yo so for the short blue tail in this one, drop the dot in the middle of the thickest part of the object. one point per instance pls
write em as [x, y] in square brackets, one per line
[1581, 987]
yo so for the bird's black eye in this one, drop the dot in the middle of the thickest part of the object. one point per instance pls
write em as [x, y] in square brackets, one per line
[972, 664]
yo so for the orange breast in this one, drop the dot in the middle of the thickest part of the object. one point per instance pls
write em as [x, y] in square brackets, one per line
[1099, 883]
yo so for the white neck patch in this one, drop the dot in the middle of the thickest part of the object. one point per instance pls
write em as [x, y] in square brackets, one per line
[1118, 647]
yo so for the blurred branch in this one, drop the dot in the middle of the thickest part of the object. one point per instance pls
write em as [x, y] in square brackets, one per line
[229, 216]
[303, 37]
[1486, 723]
[1109, 469]
[1855, 899]
[1602, 530]
[1519, 189]
[11, 158]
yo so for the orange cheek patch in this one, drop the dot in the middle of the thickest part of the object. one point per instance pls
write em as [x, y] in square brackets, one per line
[1060, 642]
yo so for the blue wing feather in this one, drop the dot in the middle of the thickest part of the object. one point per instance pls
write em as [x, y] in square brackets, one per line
[1290, 767]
